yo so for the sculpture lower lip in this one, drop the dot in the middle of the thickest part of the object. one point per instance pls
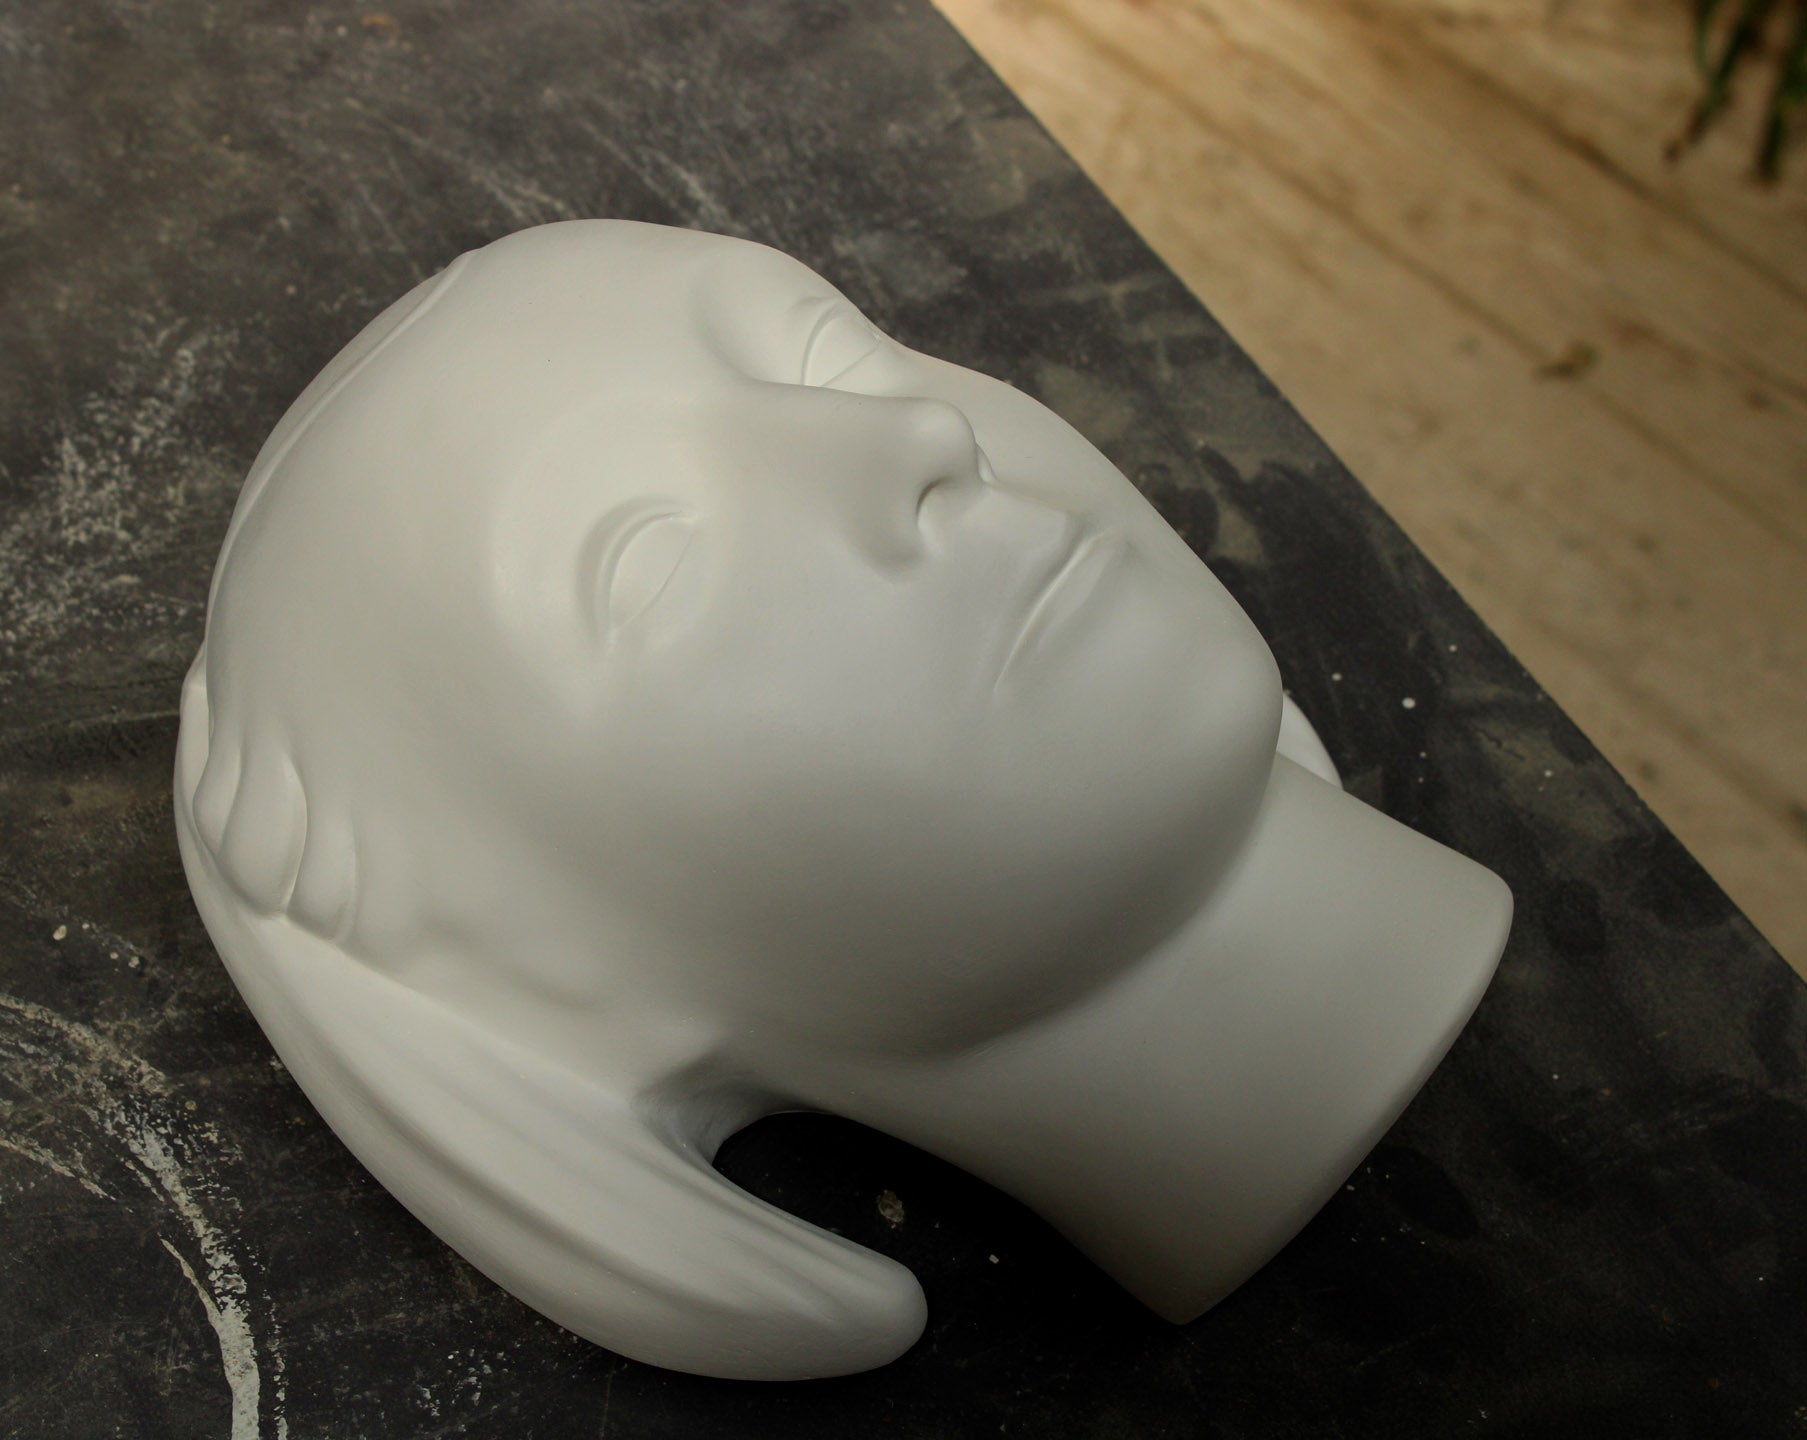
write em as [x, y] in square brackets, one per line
[1065, 592]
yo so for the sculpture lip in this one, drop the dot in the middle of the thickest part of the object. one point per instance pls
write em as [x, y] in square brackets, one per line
[1063, 587]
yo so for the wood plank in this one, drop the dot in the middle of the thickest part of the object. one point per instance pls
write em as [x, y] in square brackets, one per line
[1361, 249]
[1517, 229]
[1616, 81]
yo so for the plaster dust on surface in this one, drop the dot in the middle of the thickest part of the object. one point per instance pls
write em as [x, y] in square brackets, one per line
[38, 1155]
[121, 466]
[119, 1096]
[237, 1353]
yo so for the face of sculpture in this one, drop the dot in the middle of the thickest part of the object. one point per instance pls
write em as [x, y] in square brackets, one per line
[866, 684]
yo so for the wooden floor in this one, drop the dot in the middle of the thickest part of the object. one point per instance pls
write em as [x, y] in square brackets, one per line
[1575, 371]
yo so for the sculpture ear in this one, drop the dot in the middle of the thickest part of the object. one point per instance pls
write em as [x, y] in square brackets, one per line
[251, 812]
[247, 804]
[604, 1218]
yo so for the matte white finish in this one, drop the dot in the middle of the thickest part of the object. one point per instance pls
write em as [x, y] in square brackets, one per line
[638, 696]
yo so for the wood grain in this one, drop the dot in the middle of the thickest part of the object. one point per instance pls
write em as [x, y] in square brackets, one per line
[1574, 370]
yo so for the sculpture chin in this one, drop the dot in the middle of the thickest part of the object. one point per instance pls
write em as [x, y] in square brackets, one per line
[929, 780]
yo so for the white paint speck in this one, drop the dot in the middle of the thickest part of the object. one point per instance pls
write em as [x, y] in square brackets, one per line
[60, 933]
[1336, 676]
[1408, 703]
[992, 1258]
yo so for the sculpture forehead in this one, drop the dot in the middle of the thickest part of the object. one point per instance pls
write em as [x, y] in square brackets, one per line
[448, 404]
[574, 326]
[677, 284]
[496, 420]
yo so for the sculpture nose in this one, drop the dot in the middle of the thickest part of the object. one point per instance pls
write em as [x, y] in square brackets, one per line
[936, 444]
[917, 477]
[923, 474]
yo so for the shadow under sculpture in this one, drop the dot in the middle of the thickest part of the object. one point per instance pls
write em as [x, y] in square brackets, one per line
[638, 697]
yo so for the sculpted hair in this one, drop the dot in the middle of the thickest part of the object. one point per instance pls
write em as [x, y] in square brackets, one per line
[272, 807]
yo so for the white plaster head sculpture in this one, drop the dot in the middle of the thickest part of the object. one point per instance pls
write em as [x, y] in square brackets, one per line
[638, 696]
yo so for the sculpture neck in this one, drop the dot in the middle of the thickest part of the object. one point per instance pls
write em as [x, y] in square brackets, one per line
[1183, 1122]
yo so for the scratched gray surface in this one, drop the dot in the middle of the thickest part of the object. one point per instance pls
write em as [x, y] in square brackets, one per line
[1596, 1213]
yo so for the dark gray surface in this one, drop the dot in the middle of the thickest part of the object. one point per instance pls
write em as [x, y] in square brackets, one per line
[1591, 1221]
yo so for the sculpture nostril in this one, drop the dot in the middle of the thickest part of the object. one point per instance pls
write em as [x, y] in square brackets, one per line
[942, 500]
[922, 498]
[949, 469]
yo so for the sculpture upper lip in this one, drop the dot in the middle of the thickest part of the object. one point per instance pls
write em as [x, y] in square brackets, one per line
[1063, 586]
